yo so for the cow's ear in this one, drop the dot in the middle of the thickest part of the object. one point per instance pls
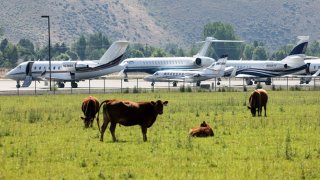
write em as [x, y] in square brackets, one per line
[153, 103]
[165, 103]
[249, 107]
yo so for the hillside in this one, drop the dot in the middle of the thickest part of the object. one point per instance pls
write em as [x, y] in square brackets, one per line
[118, 19]
[274, 22]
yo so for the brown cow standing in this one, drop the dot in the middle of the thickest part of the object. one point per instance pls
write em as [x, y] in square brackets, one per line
[257, 100]
[90, 107]
[203, 131]
[128, 113]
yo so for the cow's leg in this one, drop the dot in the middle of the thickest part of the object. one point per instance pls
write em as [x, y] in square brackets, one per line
[265, 110]
[144, 133]
[259, 111]
[91, 122]
[103, 128]
[112, 130]
[105, 124]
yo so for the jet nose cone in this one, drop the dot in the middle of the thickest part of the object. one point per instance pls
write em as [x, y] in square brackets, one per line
[8, 75]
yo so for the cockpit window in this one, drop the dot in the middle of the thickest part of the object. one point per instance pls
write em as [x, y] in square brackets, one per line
[156, 74]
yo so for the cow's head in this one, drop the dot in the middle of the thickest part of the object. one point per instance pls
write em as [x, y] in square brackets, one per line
[253, 111]
[87, 121]
[203, 124]
[158, 106]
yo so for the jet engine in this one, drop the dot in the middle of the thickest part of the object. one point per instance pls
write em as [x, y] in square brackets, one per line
[198, 61]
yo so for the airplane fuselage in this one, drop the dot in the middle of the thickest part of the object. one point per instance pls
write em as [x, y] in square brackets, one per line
[154, 64]
[61, 70]
[267, 68]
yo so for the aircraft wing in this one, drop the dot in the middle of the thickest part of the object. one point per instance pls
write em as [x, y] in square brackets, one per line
[245, 76]
[56, 77]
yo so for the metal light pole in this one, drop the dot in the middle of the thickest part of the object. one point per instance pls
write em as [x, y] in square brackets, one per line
[48, 17]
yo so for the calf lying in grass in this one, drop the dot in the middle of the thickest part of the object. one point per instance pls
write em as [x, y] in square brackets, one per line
[203, 131]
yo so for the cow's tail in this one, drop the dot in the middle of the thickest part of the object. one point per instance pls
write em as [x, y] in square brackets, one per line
[104, 102]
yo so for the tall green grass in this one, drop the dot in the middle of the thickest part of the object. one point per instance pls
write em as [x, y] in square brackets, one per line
[42, 137]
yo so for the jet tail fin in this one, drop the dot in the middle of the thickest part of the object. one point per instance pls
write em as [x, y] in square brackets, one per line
[116, 50]
[301, 46]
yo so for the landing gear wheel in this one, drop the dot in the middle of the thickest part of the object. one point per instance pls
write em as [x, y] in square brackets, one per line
[60, 85]
[74, 85]
[174, 84]
[218, 83]
[18, 86]
[198, 83]
[152, 84]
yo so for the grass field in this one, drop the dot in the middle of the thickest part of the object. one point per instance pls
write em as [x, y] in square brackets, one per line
[42, 137]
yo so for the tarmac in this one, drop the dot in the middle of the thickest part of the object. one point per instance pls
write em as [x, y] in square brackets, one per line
[107, 85]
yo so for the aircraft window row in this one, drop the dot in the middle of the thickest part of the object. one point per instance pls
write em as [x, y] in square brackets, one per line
[315, 67]
[162, 62]
[242, 67]
[44, 68]
[68, 65]
[174, 74]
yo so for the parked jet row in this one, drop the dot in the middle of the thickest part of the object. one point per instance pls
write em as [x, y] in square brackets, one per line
[170, 69]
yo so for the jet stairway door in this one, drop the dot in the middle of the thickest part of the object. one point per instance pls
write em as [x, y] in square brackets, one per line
[28, 80]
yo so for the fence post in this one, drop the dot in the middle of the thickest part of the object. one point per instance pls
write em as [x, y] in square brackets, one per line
[104, 85]
[215, 84]
[121, 86]
[89, 86]
[35, 87]
[137, 83]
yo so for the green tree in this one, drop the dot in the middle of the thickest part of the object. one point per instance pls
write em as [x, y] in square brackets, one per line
[4, 43]
[135, 53]
[314, 49]
[96, 54]
[1, 31]
[181, 53]
[62, 57]
[172, 49]
[148, 50]
[159, 53]
[248, 51]
[27, 45]
[80, 47]
[222, 31]
[259, 53]
[282, 52]
[72, 55]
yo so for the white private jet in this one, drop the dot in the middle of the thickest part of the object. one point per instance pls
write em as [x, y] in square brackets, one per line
[215, 70]
[262, 71]
[152, 64]
[70, 71]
